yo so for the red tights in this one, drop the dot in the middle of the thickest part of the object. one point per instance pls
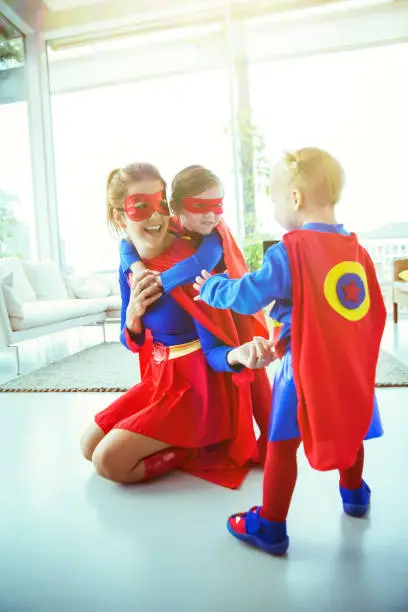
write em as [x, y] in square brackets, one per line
[281, 474]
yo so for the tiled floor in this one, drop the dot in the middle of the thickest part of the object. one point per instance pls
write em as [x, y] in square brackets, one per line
[71, 541]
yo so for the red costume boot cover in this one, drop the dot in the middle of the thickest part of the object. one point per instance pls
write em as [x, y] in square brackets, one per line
[163, 462]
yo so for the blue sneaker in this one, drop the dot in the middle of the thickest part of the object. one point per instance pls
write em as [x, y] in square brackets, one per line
[252, 528]
[356, 501]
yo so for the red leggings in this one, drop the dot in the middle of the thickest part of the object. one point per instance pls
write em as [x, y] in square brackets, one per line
[281, 473]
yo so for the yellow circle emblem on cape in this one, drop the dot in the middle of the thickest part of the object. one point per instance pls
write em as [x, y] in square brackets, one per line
[346, 290]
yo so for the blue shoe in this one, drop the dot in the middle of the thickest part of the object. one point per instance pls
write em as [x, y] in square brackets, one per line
[252, 528]
[356, 501]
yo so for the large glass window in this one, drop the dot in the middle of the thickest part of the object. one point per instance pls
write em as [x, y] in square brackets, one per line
[165, 97]
[353, 104]
[17, 220]
[171, 120]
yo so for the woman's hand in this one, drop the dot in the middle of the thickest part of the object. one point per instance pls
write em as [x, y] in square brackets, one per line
[138, 268]
[255, 355]
[145, 291]
[200, 280]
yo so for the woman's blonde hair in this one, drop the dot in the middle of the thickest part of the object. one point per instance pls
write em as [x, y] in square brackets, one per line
[313, 171]
[118, 185]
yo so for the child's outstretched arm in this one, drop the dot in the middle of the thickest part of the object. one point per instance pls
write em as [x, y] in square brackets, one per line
[253, 291]
[207, 256]
[184, 272]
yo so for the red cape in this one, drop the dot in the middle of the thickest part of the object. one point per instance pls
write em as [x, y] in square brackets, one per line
[236, 265]
[337, 324]
[243, 329]
[243, 447]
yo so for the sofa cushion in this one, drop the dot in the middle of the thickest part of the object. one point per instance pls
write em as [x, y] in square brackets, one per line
[113, 302]
[13, 304]
[21, 285]
[90, 288]
[110, 279]
[110, 303]
[68, 285]
[46, 280]
[46, 312]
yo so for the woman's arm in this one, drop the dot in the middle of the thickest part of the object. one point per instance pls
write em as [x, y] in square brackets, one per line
[135, 302]
[132, 340]
[216, 353]
[253, 291]
[222, 358]
[128, 255]
[129, 259]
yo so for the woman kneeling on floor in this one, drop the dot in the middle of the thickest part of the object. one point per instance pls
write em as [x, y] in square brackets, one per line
[193, 408]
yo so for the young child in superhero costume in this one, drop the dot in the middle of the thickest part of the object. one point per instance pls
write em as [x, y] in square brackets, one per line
[331, 317]
[193, 408]
[197, 202]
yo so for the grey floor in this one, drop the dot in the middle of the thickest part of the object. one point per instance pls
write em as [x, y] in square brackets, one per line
[70, 541]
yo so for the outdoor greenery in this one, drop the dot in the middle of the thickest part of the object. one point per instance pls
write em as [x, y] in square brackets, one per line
[11, 52]
[256, 173]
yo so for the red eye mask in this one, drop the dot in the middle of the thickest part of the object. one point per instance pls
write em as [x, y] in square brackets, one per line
[203, 205]
[141, 206]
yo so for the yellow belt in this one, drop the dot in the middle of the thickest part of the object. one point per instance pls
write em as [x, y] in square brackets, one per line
[164, 353]
[180, 350]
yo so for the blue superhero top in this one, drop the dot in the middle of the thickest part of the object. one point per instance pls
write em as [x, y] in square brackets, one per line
[171, 325]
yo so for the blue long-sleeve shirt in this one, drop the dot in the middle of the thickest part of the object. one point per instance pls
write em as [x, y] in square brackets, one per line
[170, 325]
[271, 283]
[207, 256]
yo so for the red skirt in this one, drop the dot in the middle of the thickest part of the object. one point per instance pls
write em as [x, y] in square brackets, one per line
[184, 403]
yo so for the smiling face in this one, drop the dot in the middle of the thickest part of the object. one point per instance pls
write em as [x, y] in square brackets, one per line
[202, 222]
[197, 183]
[148, 235]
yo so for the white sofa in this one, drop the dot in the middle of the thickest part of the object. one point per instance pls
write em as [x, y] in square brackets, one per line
[36, 299]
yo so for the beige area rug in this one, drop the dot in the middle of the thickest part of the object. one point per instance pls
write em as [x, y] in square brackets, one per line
[110, 367]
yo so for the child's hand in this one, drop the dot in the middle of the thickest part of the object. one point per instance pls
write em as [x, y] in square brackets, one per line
[200, 280]
[255, 355]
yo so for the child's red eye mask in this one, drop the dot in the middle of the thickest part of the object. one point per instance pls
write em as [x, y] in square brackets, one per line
[203, 205]
[141, 206]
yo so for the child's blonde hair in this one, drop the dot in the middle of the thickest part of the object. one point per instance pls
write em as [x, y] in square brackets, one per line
[312, 171]
[118, 185]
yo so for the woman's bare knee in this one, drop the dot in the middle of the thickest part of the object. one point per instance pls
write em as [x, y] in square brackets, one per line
[104, 463]
[90, 440]
[108, 464]
[119, 456]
